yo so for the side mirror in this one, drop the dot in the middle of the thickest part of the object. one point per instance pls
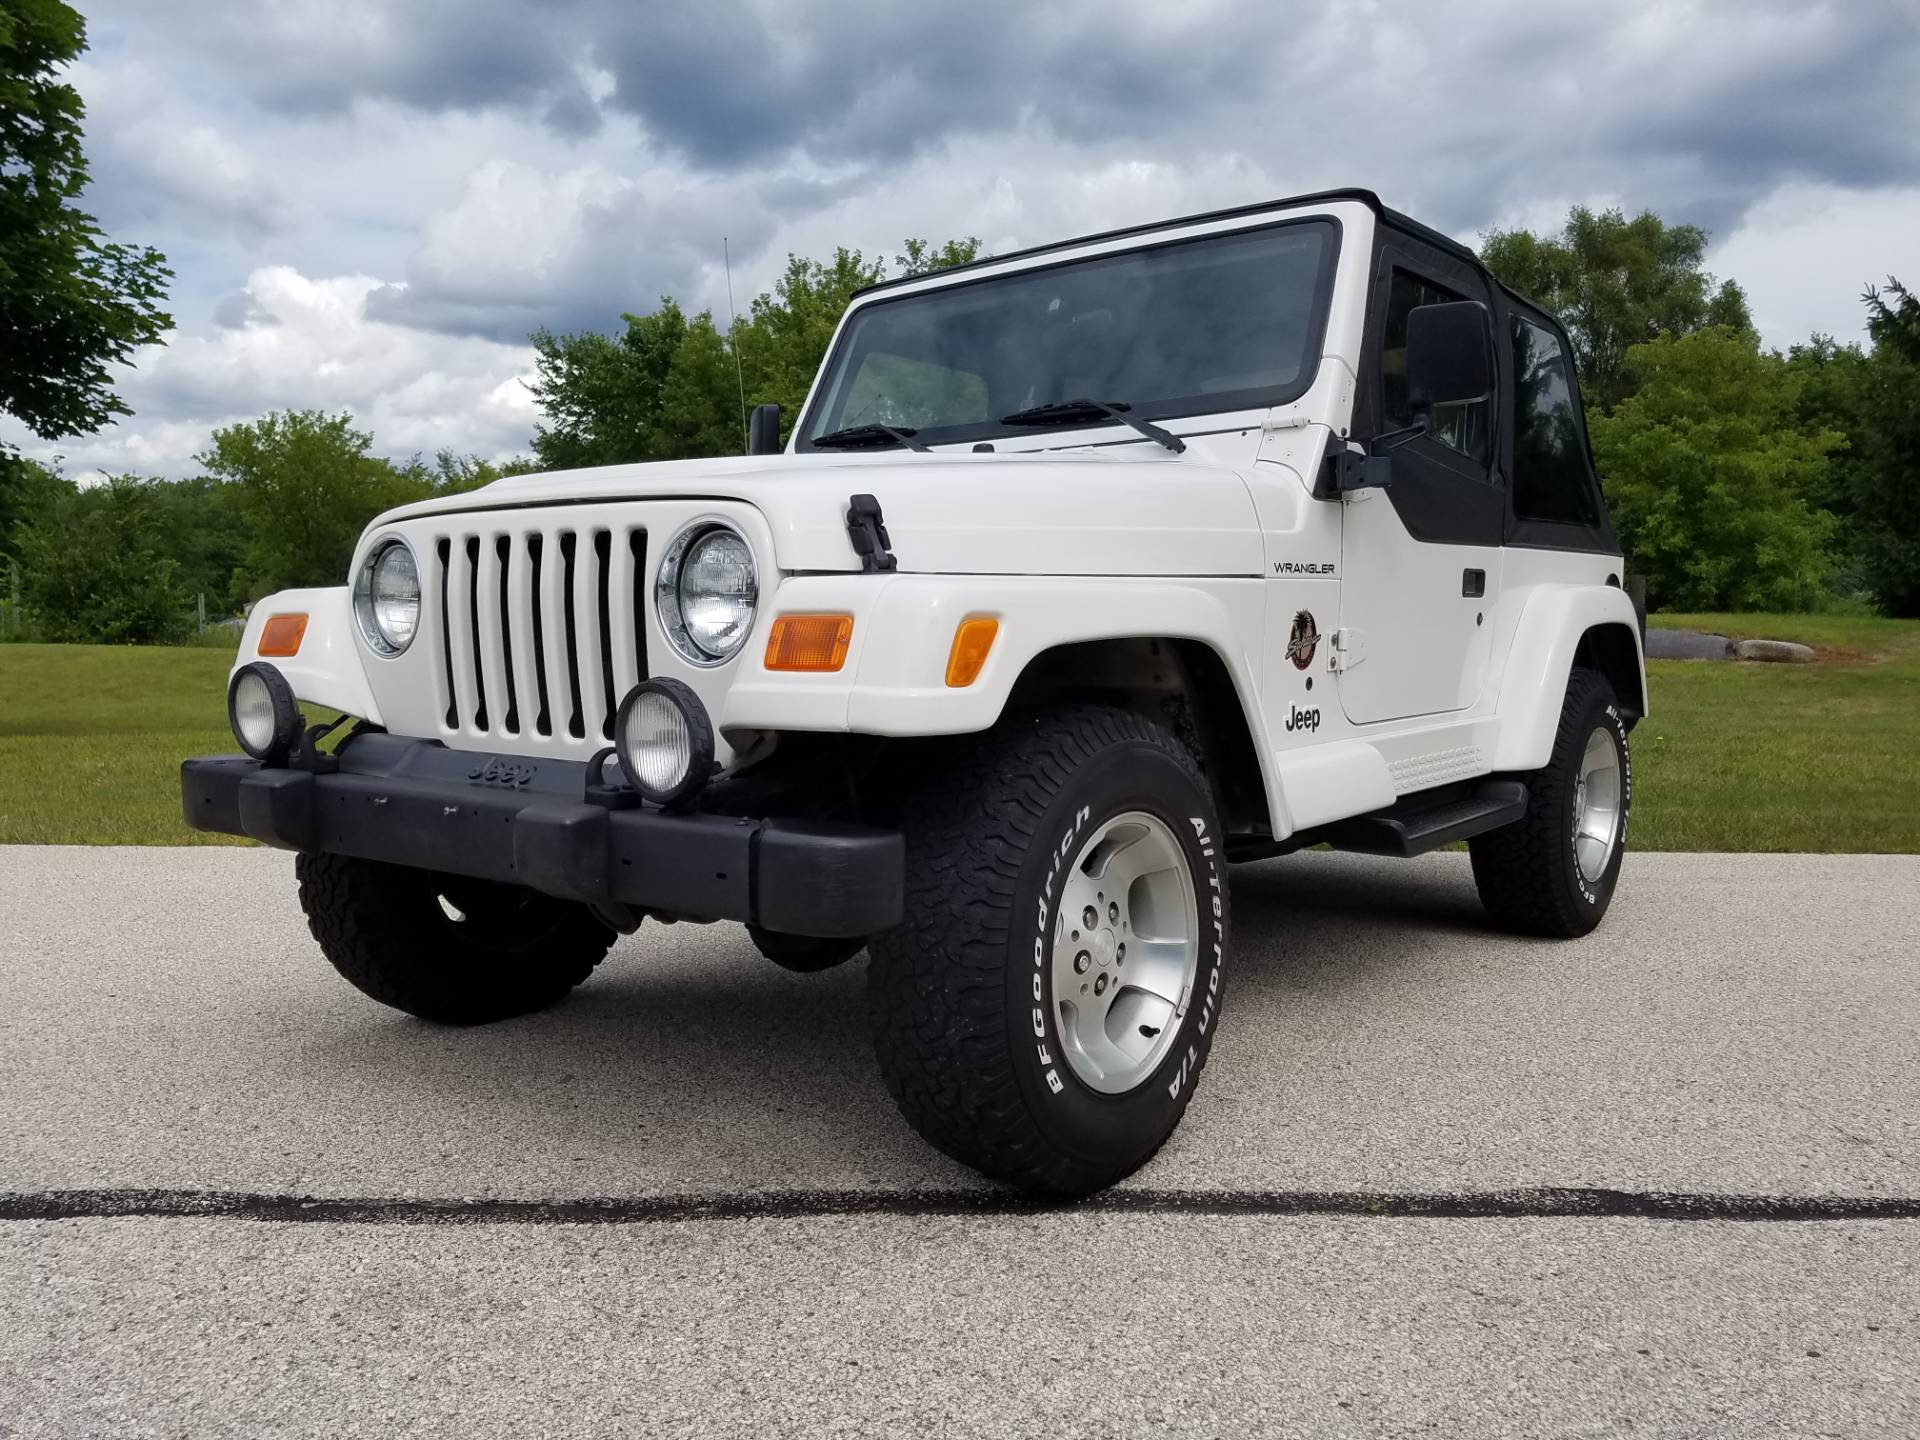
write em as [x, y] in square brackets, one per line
[1449, 354]
[763, 431]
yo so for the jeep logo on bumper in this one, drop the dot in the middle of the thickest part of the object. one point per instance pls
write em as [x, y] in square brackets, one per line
[503, 772]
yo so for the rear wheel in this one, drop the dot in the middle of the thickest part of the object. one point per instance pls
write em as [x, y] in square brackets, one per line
[1045, 1009]
[1553, 872]
[443, 947]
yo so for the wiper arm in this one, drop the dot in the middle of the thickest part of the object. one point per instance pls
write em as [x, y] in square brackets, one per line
[1066, 412]
[860, 437]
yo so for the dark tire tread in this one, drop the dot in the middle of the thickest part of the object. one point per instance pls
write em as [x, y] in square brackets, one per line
[1518, 869]
[937, 984]
[378, 925]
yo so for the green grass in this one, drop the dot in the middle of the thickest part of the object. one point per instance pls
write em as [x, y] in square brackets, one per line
[1784, 757]
[92, 736]
[1734, 757]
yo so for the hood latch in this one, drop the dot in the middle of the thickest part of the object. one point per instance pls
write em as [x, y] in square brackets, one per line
[867, 529]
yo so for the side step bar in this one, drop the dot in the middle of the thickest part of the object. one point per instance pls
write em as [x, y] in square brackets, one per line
[1420, 823]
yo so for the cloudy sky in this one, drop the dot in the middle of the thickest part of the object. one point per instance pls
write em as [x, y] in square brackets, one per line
[369, 203]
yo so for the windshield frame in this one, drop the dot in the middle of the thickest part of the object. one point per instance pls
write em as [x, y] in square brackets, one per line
[1041, 437]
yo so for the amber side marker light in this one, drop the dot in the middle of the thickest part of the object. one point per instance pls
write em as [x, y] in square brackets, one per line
[282, 634]
[971, 642]
[809, 642]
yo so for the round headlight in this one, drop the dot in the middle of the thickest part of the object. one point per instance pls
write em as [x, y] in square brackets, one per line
[706, 591]
[261, 708]
[386, 597]
[664, 739]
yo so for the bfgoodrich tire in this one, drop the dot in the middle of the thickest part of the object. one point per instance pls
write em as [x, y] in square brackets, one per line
[1046, 1007]
[1554, 871]
[445, 948]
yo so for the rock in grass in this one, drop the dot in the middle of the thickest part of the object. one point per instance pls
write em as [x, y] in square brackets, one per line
[1783, 652]
[1686, 645]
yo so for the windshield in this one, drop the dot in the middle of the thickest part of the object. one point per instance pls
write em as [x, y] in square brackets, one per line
[1224, 322]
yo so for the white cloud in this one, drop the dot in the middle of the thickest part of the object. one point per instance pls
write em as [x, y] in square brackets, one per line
[1807, 252]
[500, 165]
[308, 343]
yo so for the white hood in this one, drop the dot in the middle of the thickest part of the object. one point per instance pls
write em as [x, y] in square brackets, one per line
[1127, 510]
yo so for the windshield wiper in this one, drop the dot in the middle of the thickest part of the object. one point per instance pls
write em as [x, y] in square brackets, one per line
[1067, 412]
[860, 437]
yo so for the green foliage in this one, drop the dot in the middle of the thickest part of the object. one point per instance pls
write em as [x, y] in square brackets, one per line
[669, 386]
[1708, 464]
[1885, 499]
[305, 484]
[96, 567]
[72, 303]
[27, 488]
[1615, 283]
[455, 474]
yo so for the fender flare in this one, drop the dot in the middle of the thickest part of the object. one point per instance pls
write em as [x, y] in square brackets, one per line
[894, 679]
[1554, 620]
[327, 670]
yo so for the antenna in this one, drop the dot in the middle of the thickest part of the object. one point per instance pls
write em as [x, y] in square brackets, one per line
[733, 341]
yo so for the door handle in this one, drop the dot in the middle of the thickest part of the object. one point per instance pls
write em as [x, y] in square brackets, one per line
[1473, 583]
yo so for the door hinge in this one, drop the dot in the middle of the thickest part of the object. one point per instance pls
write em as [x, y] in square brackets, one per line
[1348, 649]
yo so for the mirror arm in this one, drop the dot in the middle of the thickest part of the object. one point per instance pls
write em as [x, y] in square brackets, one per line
[1395, 438]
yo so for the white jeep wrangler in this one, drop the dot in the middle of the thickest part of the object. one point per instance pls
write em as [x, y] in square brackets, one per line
[1087, 571]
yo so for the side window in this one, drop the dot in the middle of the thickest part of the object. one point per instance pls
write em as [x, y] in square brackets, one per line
[1551, 480]
[1459, 427]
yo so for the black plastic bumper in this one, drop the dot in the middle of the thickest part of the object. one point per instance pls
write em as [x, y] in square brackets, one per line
[412, 802]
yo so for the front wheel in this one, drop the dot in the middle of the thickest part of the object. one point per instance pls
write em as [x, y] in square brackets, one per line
[1553, 872]
[446, 948]
[1044, 1011]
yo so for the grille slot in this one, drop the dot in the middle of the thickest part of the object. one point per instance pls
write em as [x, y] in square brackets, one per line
[541, 631]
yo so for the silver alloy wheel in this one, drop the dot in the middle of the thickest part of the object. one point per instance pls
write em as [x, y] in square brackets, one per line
[1126, 948]
[1596, 805]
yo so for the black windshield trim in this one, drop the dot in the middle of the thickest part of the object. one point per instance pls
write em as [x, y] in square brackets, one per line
[1346, 194]
[1224, 403]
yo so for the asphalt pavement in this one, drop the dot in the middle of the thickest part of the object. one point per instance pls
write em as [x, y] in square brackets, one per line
[1664, 1180]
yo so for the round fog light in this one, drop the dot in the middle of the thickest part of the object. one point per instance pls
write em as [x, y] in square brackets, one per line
[665, 740]
[264, 715]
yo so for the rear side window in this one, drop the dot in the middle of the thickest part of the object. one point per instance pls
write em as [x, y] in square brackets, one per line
[1458, 427]
[1551, 480]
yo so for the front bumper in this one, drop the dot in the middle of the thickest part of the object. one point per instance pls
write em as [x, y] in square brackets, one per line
[505, 818]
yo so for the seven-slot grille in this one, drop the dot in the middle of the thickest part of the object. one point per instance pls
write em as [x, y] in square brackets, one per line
[542, 630]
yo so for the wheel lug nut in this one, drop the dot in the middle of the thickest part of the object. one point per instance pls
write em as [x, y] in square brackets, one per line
[1091, 918]
[1120, 955]
[1100, 985]
[1081, 962]
[1113, 913]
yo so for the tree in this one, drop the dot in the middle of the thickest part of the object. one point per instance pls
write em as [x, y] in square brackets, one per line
[305, 484]
[27, 489]
[1708, 464]
[670, 385]
[600, 395]
[1885, 490]
[96, 568]
[72, 303]
[1615, 283]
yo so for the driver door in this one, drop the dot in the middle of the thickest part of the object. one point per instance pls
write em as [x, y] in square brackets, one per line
[1420, 560]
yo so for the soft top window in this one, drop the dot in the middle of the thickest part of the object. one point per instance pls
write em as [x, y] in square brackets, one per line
[1551, 478]
[1222, 322]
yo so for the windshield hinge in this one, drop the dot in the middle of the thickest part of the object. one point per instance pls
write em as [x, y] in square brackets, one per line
[1348, 650]
[867, 529]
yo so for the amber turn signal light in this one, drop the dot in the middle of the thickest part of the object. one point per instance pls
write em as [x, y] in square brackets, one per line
[809, 642]
[971, 642]
[282, 634]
